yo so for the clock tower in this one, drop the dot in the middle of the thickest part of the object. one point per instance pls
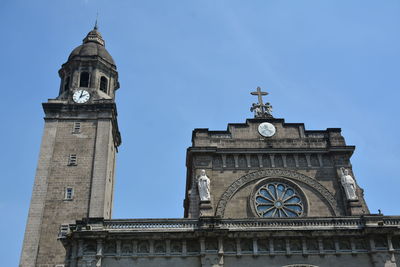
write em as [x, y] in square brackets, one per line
[75, 172]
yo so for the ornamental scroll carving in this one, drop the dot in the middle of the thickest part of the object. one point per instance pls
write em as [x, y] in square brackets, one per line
[275, 173]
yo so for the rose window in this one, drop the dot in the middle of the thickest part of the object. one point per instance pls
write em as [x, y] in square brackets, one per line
[278, 200]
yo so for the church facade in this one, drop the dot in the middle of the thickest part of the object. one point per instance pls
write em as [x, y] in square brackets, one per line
[262, 193]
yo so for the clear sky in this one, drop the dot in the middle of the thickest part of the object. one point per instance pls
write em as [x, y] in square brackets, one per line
[191, 64]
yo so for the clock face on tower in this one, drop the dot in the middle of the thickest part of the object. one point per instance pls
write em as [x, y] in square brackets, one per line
[266, 129]
[81, 96]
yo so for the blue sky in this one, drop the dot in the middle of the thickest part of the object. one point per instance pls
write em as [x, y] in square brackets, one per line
[191, 64]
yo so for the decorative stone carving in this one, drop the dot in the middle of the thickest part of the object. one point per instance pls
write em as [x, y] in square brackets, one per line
[360, 244]
[176, 246]
[296, 245]
[279, 245]
[203, 161]
[348, 184]
[344, 244]
[230, 162]
[396, 242]
[229, 246]
[126, 248]
[278, 161]
[302, 160]
[211, 244]
[217, 162]
[242, 162]
[246, 245]
[263, 245]
[275, 173]
[159, 246]
[110, 247]
[384, 259]
[328, 244]
[254, 162]
[312, 244]
[192, 246]
[380, 242]
[212, 261]
[203, 184]
[326, 160]
[290, 162]
[143, 247]
[314, 160]
[90, 247]
[266, 161]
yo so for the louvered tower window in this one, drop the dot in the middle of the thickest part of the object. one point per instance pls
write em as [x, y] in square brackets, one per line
[103, 84]
[84, 81]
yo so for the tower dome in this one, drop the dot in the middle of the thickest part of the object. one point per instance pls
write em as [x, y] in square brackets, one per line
[89, 66]
[93, 46]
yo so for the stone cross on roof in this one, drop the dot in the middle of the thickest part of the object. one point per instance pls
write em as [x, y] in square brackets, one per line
[260, 109]
[259, 93]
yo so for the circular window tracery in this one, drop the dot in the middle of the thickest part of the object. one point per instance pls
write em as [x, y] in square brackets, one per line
[277, 199]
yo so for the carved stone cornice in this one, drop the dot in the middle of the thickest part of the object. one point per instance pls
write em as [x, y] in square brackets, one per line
[102, 228]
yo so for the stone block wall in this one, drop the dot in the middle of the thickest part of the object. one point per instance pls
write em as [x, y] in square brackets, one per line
[228, 156]
[90, 175]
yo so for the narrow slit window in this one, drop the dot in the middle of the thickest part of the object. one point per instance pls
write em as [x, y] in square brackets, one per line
[103, 84]
[66, 84]
[69, 193]
[72, 160]
[84, 81]
[77, 128]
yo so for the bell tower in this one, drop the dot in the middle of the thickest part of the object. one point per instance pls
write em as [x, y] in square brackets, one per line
[75, 171]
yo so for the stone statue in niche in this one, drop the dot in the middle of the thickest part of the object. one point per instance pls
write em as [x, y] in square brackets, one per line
[348, 184]
[203, 184]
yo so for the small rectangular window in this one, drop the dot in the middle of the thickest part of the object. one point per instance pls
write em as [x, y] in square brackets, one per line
[69, 193]
[77, 128]
[72, 160]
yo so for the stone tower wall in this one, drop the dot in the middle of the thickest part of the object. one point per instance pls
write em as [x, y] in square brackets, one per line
[92, 180]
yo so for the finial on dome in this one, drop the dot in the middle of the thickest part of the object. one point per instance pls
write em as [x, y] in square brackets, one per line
[95, 24]
[94, 35]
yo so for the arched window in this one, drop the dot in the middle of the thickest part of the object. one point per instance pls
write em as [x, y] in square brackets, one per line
[66, 84]
[103, 84]
[84, 81]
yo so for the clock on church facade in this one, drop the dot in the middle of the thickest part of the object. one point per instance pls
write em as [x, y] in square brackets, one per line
[263, 192]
